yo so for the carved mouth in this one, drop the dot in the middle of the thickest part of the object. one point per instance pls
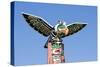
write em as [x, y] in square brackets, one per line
[57, 51]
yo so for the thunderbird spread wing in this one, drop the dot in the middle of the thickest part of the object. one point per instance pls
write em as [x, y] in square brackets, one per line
[74, 28]
[38, 24]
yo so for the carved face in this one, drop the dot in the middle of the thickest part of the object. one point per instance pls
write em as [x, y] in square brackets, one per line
[57, 51]
[61, 29]
[56, 48]
[56, 58]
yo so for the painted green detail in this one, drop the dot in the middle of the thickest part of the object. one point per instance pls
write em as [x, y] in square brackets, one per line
[61, 26]
[62, 53]
[56, 45]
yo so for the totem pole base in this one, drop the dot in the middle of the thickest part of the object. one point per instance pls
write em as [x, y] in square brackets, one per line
[55, 53]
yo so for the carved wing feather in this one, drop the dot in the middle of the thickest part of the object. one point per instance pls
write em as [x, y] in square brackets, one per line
[74, 28]
[38, 24]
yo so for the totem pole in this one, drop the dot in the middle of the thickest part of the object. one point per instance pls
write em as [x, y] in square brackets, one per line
[54, 43]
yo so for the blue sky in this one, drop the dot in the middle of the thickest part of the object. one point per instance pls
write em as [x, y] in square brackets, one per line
[29, 44]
